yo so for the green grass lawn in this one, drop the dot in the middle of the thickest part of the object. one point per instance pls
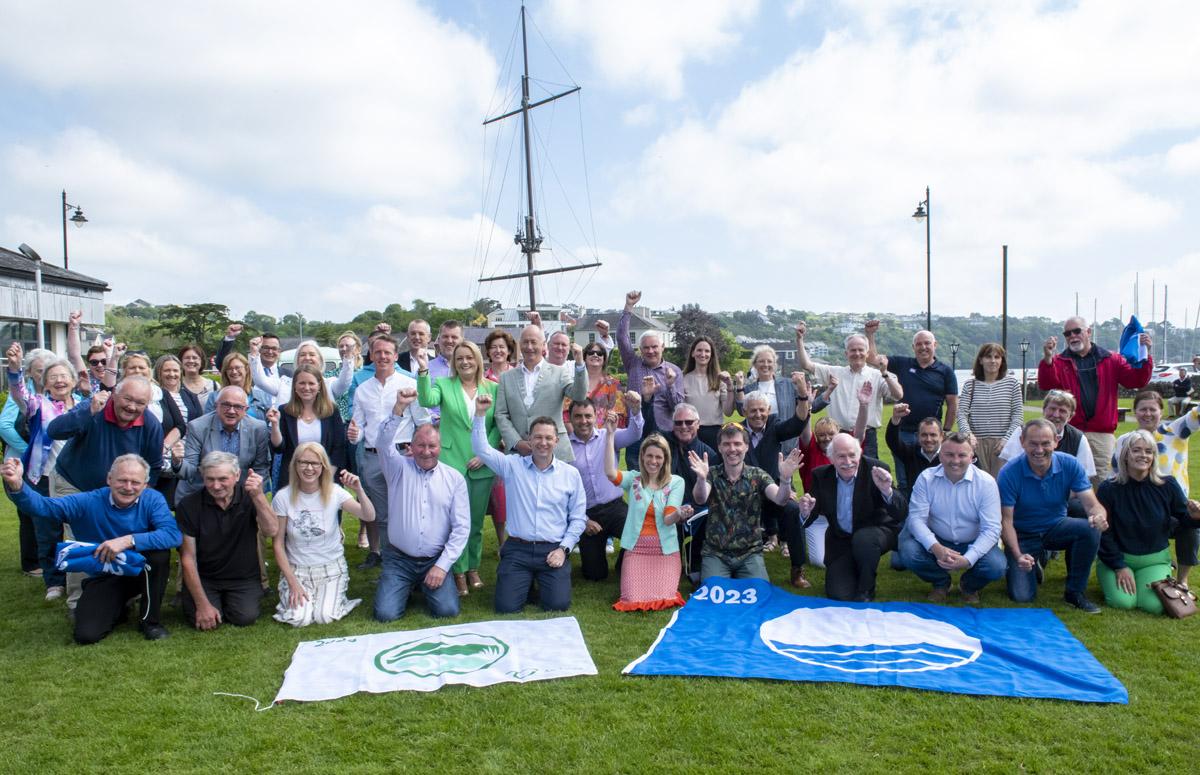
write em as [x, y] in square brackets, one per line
[130, 705]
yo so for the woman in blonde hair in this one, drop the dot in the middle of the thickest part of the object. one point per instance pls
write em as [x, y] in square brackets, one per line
[313, 576]
[651, 567]
[309, 415]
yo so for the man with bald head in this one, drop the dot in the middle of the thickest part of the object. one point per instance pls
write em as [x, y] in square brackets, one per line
[865, 513]
[1094, 376]
[536, 388]
[228, 429]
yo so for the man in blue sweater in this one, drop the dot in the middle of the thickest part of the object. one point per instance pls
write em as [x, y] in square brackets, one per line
[122, 516]
[100, 431]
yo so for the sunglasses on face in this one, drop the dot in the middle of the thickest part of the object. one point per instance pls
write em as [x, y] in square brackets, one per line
[1073, 331]
[685, 423]
[98, 361]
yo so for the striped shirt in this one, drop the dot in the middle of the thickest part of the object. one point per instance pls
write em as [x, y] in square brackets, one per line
[991, 410]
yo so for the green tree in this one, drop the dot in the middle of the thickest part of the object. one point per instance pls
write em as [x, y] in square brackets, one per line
[201, 323]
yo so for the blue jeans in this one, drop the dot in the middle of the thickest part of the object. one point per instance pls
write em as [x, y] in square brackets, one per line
[753, 567]
[921, 561]
[401, 575]
[520, 563]
[1070, 533]
[48, 533]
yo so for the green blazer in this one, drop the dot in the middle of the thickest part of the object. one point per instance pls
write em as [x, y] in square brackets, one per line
[446, 393]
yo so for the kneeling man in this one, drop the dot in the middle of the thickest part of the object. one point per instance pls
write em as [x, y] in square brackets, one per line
[954, 524]
[1034, 488]
[547, 512]
[219, 556]
[124, 515]
[429, 520]
[865, 513]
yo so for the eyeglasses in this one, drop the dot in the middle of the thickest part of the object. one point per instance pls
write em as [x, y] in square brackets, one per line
[235, 407]
[309, 464]
[98, 361]
[685, 423]
[1076, 331]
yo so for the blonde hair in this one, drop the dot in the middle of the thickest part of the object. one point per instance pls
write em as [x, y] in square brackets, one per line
[479, 365]
[1125, 448]
[326, 481]
[126, 358]
[657, 441]
[247, 383]
[357, 347]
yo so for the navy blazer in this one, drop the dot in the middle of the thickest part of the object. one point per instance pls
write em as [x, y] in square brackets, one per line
[869, 508]
[775, 434]
[172, 417]
[333, 439]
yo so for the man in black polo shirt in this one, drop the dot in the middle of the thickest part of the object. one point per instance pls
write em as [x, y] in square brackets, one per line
[219, 556]
[929, 385]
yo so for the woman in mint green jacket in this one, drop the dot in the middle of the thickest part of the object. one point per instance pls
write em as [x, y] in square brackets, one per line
[455, 396]
[651, 566]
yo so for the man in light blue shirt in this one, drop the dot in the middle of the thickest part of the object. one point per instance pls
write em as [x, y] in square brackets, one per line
[547, 511]
[954, 524]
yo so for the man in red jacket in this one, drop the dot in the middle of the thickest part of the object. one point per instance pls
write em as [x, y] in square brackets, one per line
[1093, 375]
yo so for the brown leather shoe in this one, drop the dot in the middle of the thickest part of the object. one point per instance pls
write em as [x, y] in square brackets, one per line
[938, 595]
[798, 579]
[460, 581]
[970, 598]
[474, 580]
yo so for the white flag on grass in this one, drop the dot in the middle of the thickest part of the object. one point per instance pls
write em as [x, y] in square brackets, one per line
[475, 654]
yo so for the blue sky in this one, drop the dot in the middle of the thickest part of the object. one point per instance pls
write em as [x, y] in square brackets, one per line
[306, 157]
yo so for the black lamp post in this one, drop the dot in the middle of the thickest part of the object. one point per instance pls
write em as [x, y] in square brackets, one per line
[954, 355]
[76, 219]
[922, 214]
[1024, 350]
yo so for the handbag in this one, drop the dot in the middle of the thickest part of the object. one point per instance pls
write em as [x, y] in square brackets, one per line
[1178, 601]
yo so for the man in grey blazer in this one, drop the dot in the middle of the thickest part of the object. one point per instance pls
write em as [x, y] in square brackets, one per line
[536, 388]
[228, 429]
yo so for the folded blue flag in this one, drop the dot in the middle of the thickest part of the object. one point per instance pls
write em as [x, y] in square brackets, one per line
[746, 628]
[79, 557]
[1134, 351]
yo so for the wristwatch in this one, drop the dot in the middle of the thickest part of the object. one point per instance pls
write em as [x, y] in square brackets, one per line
[566, 551]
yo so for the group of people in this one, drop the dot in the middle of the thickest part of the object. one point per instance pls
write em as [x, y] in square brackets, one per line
[132, 459]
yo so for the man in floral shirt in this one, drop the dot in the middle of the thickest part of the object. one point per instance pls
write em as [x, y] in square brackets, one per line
[734, 492]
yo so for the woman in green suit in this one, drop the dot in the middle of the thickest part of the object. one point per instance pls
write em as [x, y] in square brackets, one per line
[455, 396]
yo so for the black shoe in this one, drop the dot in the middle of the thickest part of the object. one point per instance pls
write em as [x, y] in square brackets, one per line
[373, 561]
[154, 631]
[1076, 600]
[1039, 570]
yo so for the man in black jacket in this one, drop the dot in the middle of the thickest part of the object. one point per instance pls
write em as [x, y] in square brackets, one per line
[865, 514]
[767, 437]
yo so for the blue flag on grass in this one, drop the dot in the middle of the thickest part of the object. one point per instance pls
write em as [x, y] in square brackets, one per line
[747, 628]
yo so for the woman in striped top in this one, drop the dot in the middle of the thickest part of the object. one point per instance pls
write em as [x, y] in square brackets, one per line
[990, 406]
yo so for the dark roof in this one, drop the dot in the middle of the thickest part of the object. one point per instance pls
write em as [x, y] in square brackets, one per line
[636, 322]
[13, 263]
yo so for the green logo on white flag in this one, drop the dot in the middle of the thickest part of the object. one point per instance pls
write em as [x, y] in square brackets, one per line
[442, 654]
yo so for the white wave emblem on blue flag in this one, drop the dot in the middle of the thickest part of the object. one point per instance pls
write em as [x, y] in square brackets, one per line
[869, 640]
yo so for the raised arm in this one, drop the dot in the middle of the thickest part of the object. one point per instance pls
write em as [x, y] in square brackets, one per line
[74, 354]
[491, 457]
[633, 432]
[802, 358]
[610, 448]
[623, 346]
[870, 329]
[699, 466]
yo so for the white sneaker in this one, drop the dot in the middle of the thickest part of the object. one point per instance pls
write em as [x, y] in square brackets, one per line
[609, 548]
[54, 593]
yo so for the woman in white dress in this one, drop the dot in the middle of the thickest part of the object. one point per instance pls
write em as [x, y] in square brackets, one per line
[313, 576]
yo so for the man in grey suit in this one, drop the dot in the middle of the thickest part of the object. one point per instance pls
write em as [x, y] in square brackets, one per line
[228, 429]
[536, 388]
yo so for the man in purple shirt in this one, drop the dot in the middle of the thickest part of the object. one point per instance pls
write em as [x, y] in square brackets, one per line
[648, 362]
[429, 518]
[606, 508]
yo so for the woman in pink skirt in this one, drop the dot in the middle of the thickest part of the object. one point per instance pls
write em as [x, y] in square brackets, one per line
[651, 567]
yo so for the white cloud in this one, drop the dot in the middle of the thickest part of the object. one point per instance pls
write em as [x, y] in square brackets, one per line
[1184, 158]
[646, 44]
[378, 99]
[1020, 121]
